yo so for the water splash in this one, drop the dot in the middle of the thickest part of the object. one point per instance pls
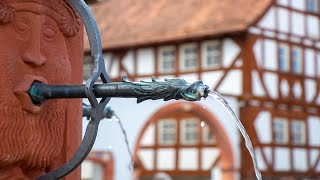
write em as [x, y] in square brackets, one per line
[118, 120]
[245, 135]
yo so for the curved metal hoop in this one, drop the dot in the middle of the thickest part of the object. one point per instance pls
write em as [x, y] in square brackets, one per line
[97, 107]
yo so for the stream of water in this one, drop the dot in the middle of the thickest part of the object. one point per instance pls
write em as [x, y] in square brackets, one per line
[219, 98]
[118, 120]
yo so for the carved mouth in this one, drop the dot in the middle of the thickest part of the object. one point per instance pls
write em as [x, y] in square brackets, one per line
[21, 92]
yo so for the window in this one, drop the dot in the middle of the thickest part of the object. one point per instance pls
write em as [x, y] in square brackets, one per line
[87, 67]
[211, 55]
[189, 131]
[167, 132]
[280, 131]
[296, 60]
[188, 58]
[283, 58]
[207, 137]
[298, 133]
[312, 6]
[166, 59]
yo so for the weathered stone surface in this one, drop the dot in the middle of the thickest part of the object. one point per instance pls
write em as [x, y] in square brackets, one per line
[39, 40]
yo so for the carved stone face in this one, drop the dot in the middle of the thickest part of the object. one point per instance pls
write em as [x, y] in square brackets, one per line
[31, 48]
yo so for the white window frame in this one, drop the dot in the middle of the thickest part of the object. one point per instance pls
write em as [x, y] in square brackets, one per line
[206, 132]
[301, 134]
[185, 131]
[183, 57]
[161, 58]
[214, 53]
[280, 126]
[285, 58]
[162, 131]
[315, 8]
[297, 59]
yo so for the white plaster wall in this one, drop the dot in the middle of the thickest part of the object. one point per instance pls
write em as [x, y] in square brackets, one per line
[271, 82]
[128, 62]
[90, 170]
[190, 78]
[262, 126]
[188, 159]
[300, 159]
[254, 30]
[145, 61]
[318, 64]
[146, 157]
[283, 16]
[232, 83]
[268, 153]
[257, 88]
[216, 173]
[166, 159]
[270, 55]
[257, 50]
[309, 61]
[314, 153]
[283, 37]
[297, 90]
[269, 20]
[149, 136]
[298, 4]
[98, 171]
[114, 72]
[87, 170]
[284, 88]
[162, 78]
[310, 87]
[211, 155]
[313, 26]
[211, 78]
[283, 2]
[134, 116]
[314, 129]
[261, 164]
[230, 51]
[297, 22]
[282, 159]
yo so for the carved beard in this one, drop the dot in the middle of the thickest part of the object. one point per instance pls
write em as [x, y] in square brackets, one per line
[31, 141]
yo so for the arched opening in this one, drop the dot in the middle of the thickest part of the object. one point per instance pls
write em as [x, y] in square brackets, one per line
[183, 141]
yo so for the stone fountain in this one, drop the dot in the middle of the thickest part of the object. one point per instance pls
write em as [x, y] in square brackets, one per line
[37, 28]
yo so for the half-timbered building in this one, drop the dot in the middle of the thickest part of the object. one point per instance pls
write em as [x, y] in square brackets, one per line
[262, 55]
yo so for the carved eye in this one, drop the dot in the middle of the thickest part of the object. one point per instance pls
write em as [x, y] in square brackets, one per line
[49, 32]
[22, 26]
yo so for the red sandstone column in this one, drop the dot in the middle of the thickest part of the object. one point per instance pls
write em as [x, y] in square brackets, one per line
[39, 40]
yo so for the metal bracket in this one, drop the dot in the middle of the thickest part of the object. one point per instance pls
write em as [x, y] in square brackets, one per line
[97, 107]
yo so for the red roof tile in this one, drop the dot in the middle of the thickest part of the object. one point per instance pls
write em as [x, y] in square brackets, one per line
[125, 23]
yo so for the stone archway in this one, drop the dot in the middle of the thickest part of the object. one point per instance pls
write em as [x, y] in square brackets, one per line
[179, 110]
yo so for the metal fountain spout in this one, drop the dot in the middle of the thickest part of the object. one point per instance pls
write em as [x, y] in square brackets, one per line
[169, 89]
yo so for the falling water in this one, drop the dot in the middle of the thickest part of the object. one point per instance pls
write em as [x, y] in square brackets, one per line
[117, 119]
[245, 135]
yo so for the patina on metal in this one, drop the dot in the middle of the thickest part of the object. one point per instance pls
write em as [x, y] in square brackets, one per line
[169, 89]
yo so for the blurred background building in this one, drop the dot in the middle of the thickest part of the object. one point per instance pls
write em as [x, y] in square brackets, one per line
[263, 56]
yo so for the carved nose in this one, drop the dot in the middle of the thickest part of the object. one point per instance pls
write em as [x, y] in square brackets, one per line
[33, 58]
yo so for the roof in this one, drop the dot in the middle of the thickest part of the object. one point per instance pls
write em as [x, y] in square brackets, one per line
[127, 23]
